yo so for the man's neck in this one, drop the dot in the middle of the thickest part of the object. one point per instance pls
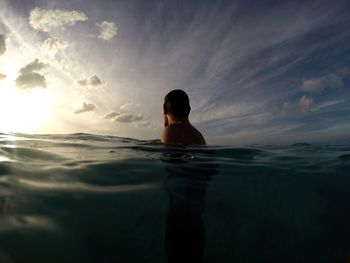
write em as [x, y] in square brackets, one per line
[177, 120]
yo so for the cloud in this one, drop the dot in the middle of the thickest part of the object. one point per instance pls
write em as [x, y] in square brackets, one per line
[48, 19]
[111, 115]
[52, 46]
[2, 76]
[36, 65]
[87, 106]
[92, 81]
[328, 104]
[305, 104]
[29, 77]
[128, 118]
[2, 44]
[125, 117]
[127, 114]
[30, 81]
[143, 124]
[333, 80]
[108, 30]
[129, 106]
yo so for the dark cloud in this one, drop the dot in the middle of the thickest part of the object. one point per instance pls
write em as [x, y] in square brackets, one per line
[29, 77]
[95, 81]
[36, 65]
[30, 81]
[2, 44]
[87, 106]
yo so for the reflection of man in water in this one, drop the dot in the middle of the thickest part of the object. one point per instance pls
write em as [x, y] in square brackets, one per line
[186, 183]
[178, 129]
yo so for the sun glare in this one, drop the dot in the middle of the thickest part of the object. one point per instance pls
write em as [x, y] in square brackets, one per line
[10, 69]
[23, 110]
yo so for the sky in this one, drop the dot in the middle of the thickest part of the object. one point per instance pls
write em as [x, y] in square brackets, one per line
[265, 72]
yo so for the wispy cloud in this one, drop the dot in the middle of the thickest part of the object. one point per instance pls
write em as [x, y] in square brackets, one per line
[29, 77]
[328, 104]
[48, 19]
[305, 104]
[241, 63]
[246, 67]
[86, 107]
[2, 76]
[332, 80]
[108, 30]
[129, 107]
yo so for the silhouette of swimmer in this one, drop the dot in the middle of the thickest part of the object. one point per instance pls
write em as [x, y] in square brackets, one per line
[186, 184]
[177, 127]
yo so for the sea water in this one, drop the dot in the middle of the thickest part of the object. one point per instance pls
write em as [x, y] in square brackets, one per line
[87, 198]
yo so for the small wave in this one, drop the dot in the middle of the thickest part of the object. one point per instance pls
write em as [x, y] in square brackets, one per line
[22, 222]
[16, 152]
[239, 153]
[88, 137]
[83, 187]
[300, 144]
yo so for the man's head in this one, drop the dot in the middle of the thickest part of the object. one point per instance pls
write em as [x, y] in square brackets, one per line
[177, 103]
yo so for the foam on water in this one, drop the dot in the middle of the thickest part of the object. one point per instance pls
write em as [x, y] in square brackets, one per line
[89, 198]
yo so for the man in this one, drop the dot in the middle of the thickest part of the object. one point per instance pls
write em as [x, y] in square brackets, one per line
[177, 127]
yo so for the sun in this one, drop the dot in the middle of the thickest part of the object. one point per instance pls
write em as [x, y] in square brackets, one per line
[23, 110]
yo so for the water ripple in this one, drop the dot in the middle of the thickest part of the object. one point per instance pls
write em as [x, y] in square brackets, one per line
[82, 187]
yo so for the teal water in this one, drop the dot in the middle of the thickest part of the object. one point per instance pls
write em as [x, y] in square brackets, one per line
[87, 198]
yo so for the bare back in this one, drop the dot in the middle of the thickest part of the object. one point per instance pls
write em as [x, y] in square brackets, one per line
[182, 133]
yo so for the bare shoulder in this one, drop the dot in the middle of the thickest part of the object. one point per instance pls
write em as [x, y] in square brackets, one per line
[200, 137]
[168, 135]
[182, 134]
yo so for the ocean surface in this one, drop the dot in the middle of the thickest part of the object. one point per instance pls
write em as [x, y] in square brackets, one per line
[87, 198]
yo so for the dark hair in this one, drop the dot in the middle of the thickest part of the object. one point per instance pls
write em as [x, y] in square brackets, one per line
[177, 103]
